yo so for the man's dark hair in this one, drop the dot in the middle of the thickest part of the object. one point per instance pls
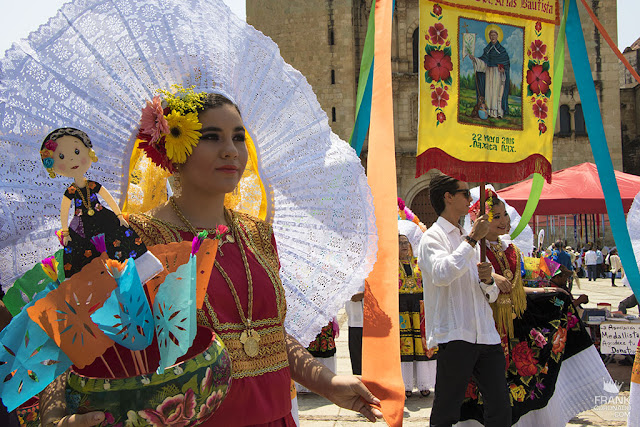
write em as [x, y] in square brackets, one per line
[438, 187]
[559, 244]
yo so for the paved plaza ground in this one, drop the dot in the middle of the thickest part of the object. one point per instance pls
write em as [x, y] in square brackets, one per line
[318, 412]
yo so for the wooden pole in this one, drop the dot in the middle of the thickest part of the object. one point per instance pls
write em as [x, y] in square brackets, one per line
[483, 201]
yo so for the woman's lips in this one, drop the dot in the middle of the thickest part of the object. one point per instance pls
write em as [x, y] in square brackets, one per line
[75, 167]
[228, 169]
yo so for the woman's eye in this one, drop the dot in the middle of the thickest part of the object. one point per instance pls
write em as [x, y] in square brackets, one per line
[239, 138]
[210, 137]
[77, 151]
[61, 156]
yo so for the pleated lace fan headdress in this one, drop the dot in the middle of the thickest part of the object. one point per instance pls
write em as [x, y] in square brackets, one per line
[94, 65]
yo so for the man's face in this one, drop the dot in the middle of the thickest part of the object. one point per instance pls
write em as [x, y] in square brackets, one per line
[460, 199]
[493, 36]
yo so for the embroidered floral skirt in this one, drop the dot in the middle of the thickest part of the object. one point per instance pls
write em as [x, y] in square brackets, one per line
[548, 333]
[410, 338]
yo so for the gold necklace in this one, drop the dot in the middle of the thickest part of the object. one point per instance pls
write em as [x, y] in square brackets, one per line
[86, 202]
[501, 257]
[228, 238]
[249, 338]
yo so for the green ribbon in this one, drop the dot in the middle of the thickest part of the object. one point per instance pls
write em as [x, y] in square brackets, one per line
[538, 181]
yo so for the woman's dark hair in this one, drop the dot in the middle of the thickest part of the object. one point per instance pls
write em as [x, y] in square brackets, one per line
[58, 133]
[438, 187]
[215, 100]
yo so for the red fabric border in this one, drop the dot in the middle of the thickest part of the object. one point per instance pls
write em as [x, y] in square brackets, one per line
[435, 158]
[499, 12]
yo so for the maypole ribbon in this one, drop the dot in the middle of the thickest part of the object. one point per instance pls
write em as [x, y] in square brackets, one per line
[538, 180]
[380, 366]
[593, 121]
[365, 84]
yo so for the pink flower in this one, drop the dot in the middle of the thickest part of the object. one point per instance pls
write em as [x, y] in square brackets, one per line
[221, 229]
[538, 49]
[108, 417]
[51, 145]
[571, 320]
[153, 122]
[207, 381]
[439, 98]
[210, 405]
[539, 339]
[438, 33]
[540, 109]
[173, 411]
[437, 9]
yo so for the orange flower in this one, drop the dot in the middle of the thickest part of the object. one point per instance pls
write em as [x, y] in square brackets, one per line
[71, 189]
[88, 253]
[67, 266]
[91, 185]
[116, 243]
[138, 241]
[559, 340]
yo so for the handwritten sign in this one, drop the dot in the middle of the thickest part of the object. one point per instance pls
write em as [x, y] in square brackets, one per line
[619, 338]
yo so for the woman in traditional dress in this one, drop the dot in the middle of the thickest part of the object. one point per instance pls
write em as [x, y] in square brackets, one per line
[540, 334]
[418, 364]
[492, 75]
[245, 302]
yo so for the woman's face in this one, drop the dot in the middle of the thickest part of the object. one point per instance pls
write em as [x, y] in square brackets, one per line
[217, 163]
[501, 221]
[71, 157]
[405, 247]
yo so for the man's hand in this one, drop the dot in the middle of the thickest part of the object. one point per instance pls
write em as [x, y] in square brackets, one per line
[480, 227]
[358, 297]
[484, 272]
[347, 391]
[504, 285]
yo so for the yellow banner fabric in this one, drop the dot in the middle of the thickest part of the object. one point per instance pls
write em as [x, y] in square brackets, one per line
[485, 93]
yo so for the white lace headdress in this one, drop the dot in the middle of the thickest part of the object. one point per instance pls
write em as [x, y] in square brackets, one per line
[92, 67]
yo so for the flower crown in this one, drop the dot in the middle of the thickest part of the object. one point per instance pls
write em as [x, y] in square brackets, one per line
[405, 213]
[169, 127]
[474, 210]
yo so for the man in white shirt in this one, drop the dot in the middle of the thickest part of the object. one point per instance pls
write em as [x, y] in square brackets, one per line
[458, 317]
[591, 261]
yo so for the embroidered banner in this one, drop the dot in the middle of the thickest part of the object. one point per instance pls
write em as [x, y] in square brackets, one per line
[486, 107]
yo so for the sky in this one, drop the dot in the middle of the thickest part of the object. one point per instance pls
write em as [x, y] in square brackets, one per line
[19, 18]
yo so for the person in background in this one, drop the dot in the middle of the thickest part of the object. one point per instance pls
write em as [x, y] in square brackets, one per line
[562, 257]
[599, 263]
[591, 261]
[355, 318]
[628, 302]
[615, 265]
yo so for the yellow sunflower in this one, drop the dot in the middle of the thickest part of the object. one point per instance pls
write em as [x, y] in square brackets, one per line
[183, 135]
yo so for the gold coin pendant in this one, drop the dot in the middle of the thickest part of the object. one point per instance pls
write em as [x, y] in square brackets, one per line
[91, 212]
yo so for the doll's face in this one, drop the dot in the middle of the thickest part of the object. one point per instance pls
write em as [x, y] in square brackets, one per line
[71, 157]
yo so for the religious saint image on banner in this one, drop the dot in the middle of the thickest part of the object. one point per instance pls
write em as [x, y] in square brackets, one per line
[486, 79]
[490, 74]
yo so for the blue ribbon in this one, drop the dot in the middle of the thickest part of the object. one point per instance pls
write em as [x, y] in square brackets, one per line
[361, 127]
[593, 120]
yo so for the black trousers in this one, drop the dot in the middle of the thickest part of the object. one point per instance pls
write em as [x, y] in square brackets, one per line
[458, 361]
[355, 350]
[592, 271]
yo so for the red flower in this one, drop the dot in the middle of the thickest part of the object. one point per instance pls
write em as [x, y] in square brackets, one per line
[438, 33]
[91, 185]
[472, 390]
[437, 9]
[438, 65]
[157, 153]
[72, 189]
[540, 109]
[538, 49]
[439, 97]
[538, 26]
[542, 127]
[538, 79]
[441, 117]
[523, 358]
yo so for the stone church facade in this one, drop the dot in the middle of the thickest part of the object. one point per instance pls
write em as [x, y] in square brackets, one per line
[324, 40]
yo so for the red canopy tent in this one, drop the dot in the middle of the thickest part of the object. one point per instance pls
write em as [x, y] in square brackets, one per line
[574, 190]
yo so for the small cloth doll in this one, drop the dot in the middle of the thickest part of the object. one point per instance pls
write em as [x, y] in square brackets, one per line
[68, 152]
